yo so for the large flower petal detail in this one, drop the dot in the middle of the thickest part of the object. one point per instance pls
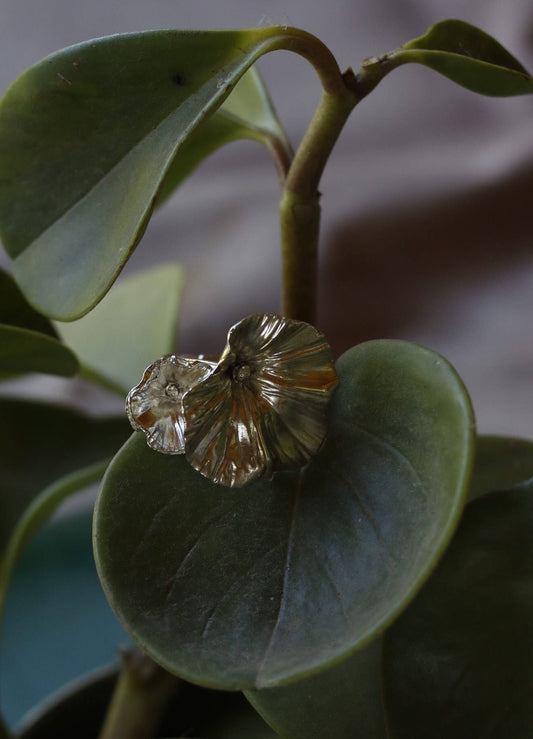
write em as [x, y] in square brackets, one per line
[155, 405]
[264, 407]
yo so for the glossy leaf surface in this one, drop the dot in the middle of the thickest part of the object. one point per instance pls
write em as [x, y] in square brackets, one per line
[86, 138]
[134, 325]
[344, 701]
[459, 661]
[246, 114]
[501, 463]
[268, 583]
[24, 350]
[16, 311]
[467, 56]
[40, 443]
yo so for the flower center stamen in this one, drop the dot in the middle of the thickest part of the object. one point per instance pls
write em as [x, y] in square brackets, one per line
[242, 372]
[172, 391]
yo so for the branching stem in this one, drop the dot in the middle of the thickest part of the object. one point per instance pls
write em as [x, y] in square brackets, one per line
[300, 207]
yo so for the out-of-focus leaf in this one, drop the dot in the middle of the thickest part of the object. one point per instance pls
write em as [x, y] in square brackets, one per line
[464, 54]
[469, 57]
[39, 444]
[78, 710]
[459, 662]
[75, 710]
[16, 311]
[38, 511]
[86, 139]
[247, 113]
[500, 464]
[134, 325]
[344, 701]
[55, 616]
[24, 350]
[265, 584]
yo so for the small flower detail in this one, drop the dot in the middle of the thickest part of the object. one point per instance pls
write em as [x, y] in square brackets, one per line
[155, 405]
[264, 407]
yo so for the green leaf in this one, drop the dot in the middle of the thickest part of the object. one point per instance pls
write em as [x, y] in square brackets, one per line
[55, 615]
[266, 584]
[344, 701]
[28, 341]
[501, 463]
[459, 662]
[16, 311]
[467, 56]
[39, 444]
[86, 139]
[23, 350]
[133, 326]
[38, 511]
[246, 114]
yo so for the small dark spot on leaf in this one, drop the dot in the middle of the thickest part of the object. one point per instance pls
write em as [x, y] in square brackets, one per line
[177, 79]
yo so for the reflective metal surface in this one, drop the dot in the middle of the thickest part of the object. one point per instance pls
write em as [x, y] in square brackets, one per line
[155, 405]
[264, 406]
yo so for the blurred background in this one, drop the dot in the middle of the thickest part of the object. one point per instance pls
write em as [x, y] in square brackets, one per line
[427, 235]
[426, 230]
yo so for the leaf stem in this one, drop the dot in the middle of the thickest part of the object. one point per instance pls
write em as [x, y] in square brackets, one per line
[315, 52]
[140, 697]
[300, 207]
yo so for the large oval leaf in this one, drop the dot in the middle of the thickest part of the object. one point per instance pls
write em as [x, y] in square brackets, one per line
[55, 588]
[459, 662]
[134, 325]
[247, 113]
[258, 586]
[86, 138]
[466, 55]
[343, 702]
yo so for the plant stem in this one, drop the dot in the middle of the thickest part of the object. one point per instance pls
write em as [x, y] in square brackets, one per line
[300, 208]
[140, 697]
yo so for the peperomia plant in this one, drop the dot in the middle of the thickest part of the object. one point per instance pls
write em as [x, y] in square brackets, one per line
[279, 527]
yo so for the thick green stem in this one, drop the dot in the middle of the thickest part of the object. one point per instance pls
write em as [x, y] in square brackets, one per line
[140, 698]
[300, 208]
[299, 221]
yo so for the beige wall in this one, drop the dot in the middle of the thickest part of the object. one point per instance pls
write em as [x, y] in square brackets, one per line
[427, 227]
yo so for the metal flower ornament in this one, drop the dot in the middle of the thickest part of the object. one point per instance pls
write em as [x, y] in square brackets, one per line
[262, 408]
[155, 405]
